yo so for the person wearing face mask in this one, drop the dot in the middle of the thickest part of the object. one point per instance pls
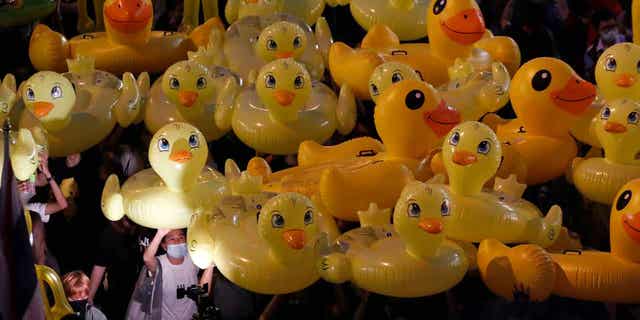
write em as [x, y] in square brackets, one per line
[76, 288]
[608, 34]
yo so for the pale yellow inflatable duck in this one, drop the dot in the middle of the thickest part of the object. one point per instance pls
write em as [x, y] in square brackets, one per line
[80, 108]
[472, 154]
[307, 10]
[186, 92]
[599, 179]
[414, 261]
[284, 109]
[177, 185]
[617, 73]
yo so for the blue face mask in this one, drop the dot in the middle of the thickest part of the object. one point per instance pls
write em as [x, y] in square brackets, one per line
[177, 251]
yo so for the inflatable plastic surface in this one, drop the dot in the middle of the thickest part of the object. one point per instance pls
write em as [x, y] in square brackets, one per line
[284, 109]
[454, 28]
[584, 275]
[124, 46]
[307, 10]
[24, 12]
[616, 127]
[412, 258]
[548, 98]
[407, 18]
[79, 108]
[176, 186]
[49, 278]
[617, 74]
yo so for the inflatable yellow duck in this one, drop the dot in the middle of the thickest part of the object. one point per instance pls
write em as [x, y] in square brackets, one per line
[414, 261]
[307, 10]
[177, 185]
[548, 97]
[284, 109]
[471, 155]
[186, 92]
[79, 108]
[599, 179]
[254, 41]
[124, 46]
[454, 28]
[617, 74]
[584, 275]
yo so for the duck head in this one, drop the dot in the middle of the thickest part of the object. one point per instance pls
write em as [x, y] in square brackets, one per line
[281, 40]
[177, 153]
[618, 72]
[454, 25]
[618, 132]
[188, 85]
[287, 223]
[387, 74]
[283, 86]
[128, 21]
[412, 118]
[50, 97]
[549, 97]
[625, 222]
[471, 154]
[418, 218]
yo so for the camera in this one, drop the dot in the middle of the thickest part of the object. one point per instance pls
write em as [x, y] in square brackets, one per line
[199, 294]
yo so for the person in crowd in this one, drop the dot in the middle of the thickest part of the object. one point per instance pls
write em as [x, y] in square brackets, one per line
[27, 191]
[523, 20]
[76, 288]
[608, 34]
[41, 253]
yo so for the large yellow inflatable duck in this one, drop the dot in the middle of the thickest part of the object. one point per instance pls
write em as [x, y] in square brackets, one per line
[79, 108]
[471, 155]
[414, 261]
[177, 185]
[284, 109]
[548, 97]
[454, 28]
[307, 10]
[599, 179]
[186, 92]
[617, 73]
[584, 275]
[124, 46]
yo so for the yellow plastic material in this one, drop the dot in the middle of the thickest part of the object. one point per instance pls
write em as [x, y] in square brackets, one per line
[412, 258]
[187, 92]
[177, 186]
[584, 129]
[635, 24]
[347, 185]
[284, 109]
[616, 127]
[407, 18]
[311, 153]
[49, 278]
[471, 154]
[454, 28]
[307, 10]
[617, 74]
[253, 41]
[549, 98]
[584, 275]
[126, 44]
[80, 108]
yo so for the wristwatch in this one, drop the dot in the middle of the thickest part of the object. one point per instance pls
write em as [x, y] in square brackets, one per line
[49, 178]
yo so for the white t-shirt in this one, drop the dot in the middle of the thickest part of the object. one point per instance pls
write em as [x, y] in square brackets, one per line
[185, 274]
[39, 208]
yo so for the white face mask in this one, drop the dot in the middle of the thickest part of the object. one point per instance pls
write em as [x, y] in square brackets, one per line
[177, 251]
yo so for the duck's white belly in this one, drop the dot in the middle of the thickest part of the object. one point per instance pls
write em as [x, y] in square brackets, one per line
[252, 124]
[148, 202]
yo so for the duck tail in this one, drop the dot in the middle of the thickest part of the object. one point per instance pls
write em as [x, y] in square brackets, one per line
[380, 37]
[200, 240]
[112, 201]
[335, 268]
[550, 227]
[48, 49]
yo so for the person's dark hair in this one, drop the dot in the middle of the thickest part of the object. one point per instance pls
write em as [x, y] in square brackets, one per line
[600, 16]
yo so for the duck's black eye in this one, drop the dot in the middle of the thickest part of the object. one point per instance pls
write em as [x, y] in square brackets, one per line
[439, 6]
[632, 118]
[277, 220]
[413, 210]
[270, 81]
[484, 147]
[174, 83]
[396, 77]
[56, 92]
[201, 83]
[194, 142]
[298, 82]
[606, 112]
[541, 80]
[163, 145]
[308, 217]
[374, 89]
[414, 99]
[271, 45]
[610, 64]
[31, 95]
[455, 138]
[297, 42]
[444, 208]
[623, 200]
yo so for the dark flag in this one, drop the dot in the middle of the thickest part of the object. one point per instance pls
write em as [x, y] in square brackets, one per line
[19, 295]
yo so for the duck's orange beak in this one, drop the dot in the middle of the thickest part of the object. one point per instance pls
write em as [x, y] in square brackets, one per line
[625, 80]
[465, 28]
[129, 16]
[284, 97]
[575, 97]
[42, 108]
[442, 119]
[631, 225]
[433, 226]
[464, 158]
[251, 1]
[187, 98]
[180, 156]
[284, 54]
[614, 127]
[294, 238]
